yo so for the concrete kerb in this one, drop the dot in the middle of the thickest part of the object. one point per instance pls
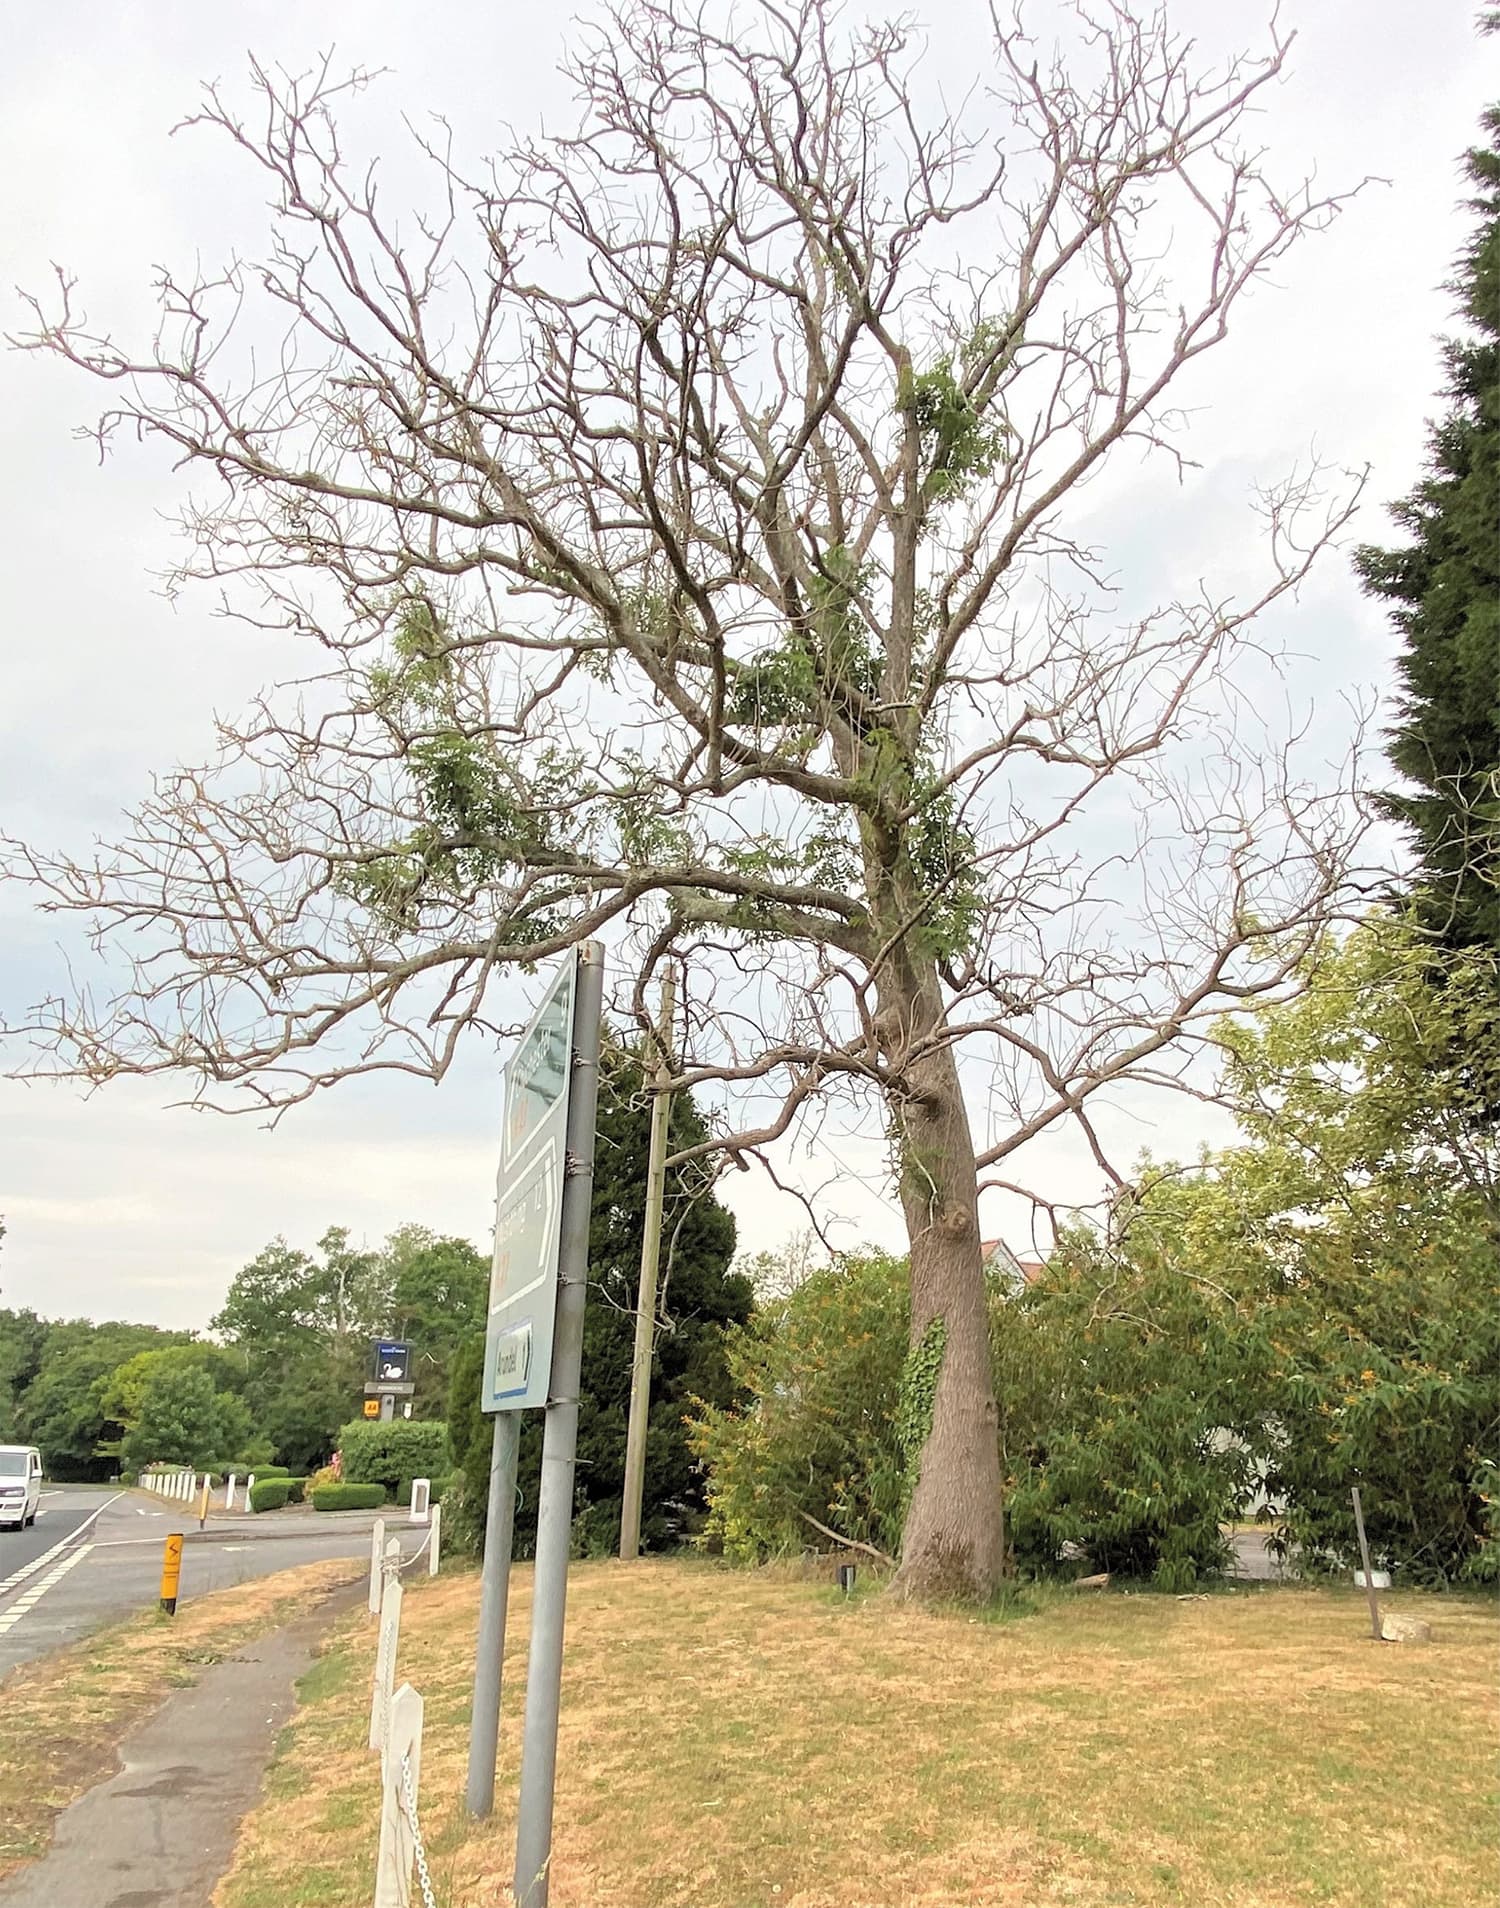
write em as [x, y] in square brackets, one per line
[262, 1526]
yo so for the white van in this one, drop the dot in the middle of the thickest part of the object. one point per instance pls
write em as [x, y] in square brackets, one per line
[20, 1484]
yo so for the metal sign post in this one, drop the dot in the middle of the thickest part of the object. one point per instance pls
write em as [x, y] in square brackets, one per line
[559, 1447]
[550, 1083]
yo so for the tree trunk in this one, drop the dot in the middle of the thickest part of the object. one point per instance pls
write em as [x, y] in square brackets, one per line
[953, 1544]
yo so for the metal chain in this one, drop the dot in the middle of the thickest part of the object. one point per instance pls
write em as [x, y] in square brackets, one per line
[407, 1562]
[409, 1803]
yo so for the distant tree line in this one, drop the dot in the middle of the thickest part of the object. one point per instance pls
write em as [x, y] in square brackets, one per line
[281, 1371]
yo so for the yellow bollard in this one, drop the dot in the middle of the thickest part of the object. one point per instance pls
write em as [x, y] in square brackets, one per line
[171, 1571]
[203, 1503]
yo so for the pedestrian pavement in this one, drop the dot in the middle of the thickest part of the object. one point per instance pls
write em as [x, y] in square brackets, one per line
[161, 1832]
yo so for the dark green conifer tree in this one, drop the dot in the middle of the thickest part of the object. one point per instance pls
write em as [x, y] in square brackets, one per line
[699, 1297]
[1444, 590]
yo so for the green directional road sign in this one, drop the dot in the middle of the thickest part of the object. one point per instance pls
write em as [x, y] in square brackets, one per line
[533, 1159]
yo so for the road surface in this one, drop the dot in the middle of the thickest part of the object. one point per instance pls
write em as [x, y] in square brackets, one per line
[94, 1555]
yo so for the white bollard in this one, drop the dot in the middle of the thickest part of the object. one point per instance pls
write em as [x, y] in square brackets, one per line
[229, 1493]
[385, 1663]
[421, 1499]
[377, 1553]
[397, 1842]
[249, 1487]
[434, 1530]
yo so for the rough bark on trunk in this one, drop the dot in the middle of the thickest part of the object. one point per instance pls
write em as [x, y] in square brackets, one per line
[953, 1544]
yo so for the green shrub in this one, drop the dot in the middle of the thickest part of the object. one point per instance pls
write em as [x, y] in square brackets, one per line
[1108, 1423]
[338, 1497]
[269, 1493]
[392, 1454]
[1120, 1388]
[298, 1489]
[270, 1470]
[820, 1376]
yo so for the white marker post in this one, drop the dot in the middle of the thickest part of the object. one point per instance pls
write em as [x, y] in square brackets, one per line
[421, 1499]
[377, 1553]
[434, 1531]
[385, 1663]
[402, 1777]
[229, 1493]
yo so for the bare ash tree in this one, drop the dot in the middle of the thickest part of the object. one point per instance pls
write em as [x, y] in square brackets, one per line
[686, 513]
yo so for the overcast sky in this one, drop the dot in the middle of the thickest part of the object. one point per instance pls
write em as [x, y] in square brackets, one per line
[117, 1205]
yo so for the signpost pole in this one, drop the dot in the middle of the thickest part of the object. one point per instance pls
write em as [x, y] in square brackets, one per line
[559, 1447]
[645, 1298]
[494, 1595]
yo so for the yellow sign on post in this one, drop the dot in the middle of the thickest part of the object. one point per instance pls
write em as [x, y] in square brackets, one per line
[372, 1407]
[171, 1571]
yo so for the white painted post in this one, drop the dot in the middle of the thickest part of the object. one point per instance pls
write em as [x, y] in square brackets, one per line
[229, 1493]
[397, 1842]
[385, 1663]
[249, 1487]
[434, 1531]
[377, 1553]
[421, 1499]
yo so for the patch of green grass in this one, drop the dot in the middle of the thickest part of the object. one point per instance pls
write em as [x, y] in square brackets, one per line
[329, 1677]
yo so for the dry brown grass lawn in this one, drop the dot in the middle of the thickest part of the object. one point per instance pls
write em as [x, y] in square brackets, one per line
[747, 1741]
[62, 1717]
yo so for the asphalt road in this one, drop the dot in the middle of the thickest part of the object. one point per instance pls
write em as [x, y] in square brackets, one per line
[94, 1554]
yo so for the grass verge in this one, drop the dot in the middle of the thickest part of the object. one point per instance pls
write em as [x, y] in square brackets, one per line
[746, 1741]
[64, 1715]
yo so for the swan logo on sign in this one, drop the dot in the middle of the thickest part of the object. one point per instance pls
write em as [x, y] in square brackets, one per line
[528, 1205]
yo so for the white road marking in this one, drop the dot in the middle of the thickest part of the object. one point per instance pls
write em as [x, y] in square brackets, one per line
[18, 1577]
[34, 1595]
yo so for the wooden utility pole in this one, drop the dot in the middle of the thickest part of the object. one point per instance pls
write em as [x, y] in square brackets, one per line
[645, 1303]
